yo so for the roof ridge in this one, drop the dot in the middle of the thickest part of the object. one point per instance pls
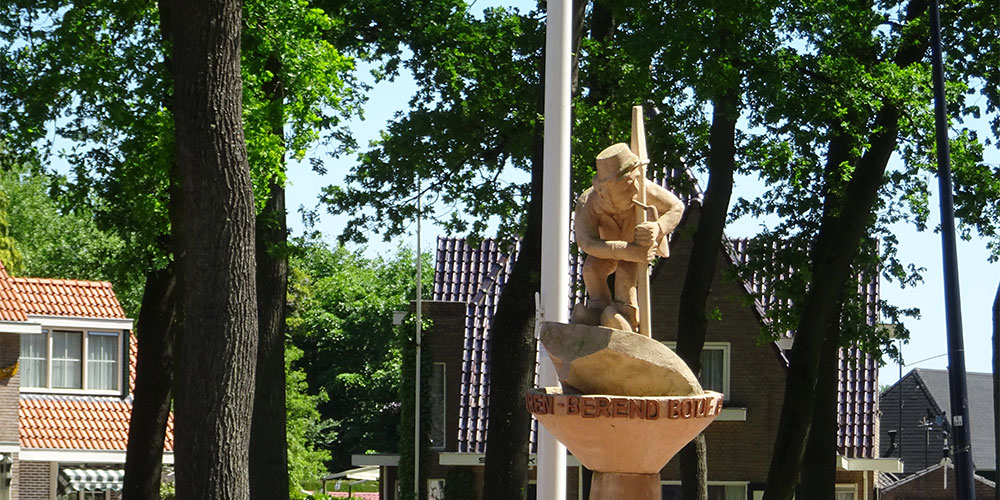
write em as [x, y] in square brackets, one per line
[11, 303]
[62, 281]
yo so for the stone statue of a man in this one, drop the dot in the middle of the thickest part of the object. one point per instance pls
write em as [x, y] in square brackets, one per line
[615, 241]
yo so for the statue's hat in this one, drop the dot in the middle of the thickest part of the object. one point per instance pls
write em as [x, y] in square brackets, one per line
[616, 161]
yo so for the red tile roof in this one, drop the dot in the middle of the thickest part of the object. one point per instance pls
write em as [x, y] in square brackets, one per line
[80, 299]
[77, 423]
[82, 422]
[70, 422]
[10, 301]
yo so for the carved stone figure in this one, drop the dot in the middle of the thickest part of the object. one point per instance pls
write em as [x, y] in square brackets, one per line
[609, 231]
[619, 385]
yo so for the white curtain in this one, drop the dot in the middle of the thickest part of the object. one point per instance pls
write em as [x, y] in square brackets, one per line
[102, 361]
[712, 366]
[736, 492]
[66, 365]
[33, 360]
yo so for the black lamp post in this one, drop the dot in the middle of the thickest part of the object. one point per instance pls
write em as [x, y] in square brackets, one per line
[952, 304]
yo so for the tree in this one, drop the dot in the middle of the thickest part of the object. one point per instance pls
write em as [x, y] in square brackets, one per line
[304, 426]
[216, 282]
[118, 119]
[10, 257]
[340, 317]
[851, 98]
[52, 240]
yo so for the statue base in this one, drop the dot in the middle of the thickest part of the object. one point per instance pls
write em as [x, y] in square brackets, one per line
[625, 440]
[617, 485]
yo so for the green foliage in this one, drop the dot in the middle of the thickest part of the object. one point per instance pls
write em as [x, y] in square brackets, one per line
[460, 484]
[407, 407]
[845, 74]
[55, 241]
[472, 119]
[303, 426]
[168, 491]
[297, 87]
[87, 83]
[341, 306]
[10, 256]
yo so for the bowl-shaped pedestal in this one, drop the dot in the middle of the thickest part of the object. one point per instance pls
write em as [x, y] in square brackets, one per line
[623, 435]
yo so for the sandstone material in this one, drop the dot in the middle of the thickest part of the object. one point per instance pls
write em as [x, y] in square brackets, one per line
[599, 360]
[623, 434]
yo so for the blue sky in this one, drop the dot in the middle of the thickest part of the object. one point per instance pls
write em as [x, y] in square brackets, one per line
[978, 278]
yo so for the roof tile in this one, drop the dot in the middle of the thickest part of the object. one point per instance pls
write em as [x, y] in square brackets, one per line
[11, 308]
[50, 422]
[77, 298]
[476, 276]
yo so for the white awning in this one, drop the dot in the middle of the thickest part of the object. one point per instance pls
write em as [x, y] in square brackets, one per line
[90, 480]
[360, 474]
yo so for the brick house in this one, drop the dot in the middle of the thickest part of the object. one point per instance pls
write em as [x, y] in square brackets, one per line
[936, 482]
[67, 359]
[915, 410]
[467, 287]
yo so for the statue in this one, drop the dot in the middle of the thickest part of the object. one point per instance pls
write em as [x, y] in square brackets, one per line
[610, 232]
[616, 386]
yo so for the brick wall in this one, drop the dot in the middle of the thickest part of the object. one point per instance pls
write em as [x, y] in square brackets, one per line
[33, 480]
[737, 451]
[10, 351]
[444, 343]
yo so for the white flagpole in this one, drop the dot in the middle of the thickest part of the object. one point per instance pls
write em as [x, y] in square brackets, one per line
[551, 483]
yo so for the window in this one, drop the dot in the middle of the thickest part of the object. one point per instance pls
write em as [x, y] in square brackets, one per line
[102, 361]
[71, 359]
[715, 491]
[437, 407]
[66, 365]
[34, 359]
[714, 366]
[846, 492]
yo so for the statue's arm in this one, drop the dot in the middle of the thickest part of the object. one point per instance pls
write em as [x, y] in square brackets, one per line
[667, 204]
[588, 237]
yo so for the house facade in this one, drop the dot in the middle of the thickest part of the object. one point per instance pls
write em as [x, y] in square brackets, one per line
[67, 356]
[752, 377]
[936, 482]
[916, 426]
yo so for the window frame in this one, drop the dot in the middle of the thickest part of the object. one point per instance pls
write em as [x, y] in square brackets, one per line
[85, 334]
[444, 406]
[727, 357]
[744, 485]
[851, 488]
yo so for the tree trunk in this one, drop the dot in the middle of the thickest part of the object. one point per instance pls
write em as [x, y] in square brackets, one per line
[836, 245]
[156, 330]
[268, 439]
[153, 379]
[512, 358]
[692, 320]
[213, 223]
[512, 338]
[819, 467]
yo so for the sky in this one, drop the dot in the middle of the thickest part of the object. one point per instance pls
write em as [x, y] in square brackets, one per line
[927, 345]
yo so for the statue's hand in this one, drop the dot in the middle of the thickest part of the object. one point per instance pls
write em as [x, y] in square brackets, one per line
[640, 253]
[647, 234]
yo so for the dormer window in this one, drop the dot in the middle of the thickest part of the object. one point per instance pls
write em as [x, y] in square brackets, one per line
[71, 360]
